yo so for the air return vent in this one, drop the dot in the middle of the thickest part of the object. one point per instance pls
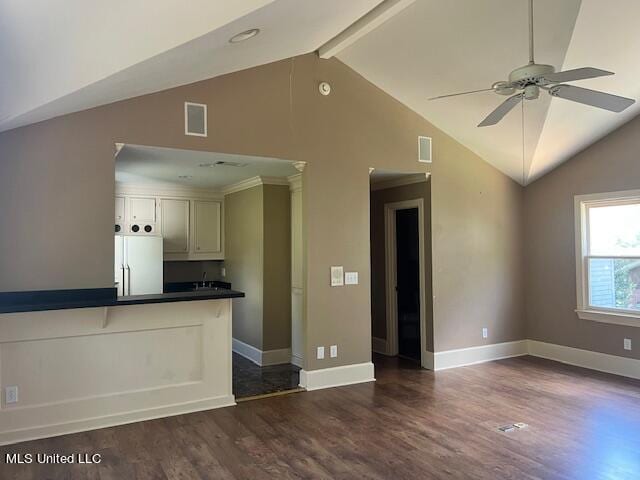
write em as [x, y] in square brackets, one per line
[424, 149]
[195, 119]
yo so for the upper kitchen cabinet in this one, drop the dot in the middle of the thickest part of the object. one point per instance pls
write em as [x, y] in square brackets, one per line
[207, 227]
[174, 221]
[119, 210]
[142, 209]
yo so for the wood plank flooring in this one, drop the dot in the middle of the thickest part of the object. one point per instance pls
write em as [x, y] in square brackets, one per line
[410, 424]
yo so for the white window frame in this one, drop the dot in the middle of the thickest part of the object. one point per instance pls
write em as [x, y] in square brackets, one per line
[582, 203]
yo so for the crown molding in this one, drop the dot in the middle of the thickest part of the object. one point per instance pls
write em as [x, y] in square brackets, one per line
[167, 191]
[401, 181]
[254, 182]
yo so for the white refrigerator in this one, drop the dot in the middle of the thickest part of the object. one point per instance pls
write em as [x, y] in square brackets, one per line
[138, 264]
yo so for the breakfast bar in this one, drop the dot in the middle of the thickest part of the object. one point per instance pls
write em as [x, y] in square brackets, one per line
[86, 359]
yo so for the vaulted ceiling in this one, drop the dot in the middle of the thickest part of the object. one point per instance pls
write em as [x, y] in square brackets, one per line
[60, 56]
[436, 47]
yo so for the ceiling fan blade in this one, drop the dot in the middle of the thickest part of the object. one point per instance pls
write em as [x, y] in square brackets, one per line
[576, 74]
[607, 101]
[499, 113]
[461, 93]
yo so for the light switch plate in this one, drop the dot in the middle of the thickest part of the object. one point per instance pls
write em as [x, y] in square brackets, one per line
[485, 332]
[351, 278]
[627, 344]
[320, 353]
[333, 351]
[337, 276]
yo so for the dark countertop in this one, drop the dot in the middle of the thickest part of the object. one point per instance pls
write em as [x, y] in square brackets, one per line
[179, 296]
[42, 300]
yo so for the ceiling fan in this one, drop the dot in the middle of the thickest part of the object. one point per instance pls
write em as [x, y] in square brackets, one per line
[533, 77]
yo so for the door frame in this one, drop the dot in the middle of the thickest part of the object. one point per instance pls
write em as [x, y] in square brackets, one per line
[391, 276]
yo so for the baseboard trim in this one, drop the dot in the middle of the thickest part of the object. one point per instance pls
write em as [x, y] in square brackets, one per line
[337, 376]
[297, 360]
[47, 431]
[602, 362]
[379, 345]
[276, 357]
[473, 355]
[262, 358]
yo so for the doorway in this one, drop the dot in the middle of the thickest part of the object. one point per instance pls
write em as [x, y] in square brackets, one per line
[401, 298]
[408, 283]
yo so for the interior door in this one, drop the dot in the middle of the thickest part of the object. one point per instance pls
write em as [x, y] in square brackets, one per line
[408, 283]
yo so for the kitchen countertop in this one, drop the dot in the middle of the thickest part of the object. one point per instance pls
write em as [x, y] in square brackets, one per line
[179, 296]
[42, 300]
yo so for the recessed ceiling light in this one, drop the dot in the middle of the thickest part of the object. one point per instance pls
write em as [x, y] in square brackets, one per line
[246, 35]
[185, 176]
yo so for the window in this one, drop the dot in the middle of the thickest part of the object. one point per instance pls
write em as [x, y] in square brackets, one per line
[608, 257]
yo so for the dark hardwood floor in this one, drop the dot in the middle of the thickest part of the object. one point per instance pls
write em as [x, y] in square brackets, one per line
[411, 423]
[250, 379]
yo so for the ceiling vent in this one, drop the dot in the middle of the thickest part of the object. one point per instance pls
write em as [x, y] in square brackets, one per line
[424, 149]
[222, 163]
[195, 119]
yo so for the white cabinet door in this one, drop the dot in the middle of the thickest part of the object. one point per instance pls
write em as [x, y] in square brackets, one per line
[207, 231]
[174, 215]
[142, 209]
[119, 210]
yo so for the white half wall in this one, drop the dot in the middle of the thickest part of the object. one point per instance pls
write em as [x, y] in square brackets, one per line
[148, 361]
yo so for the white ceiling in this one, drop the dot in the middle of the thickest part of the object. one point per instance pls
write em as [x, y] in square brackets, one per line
[438, 47]
[144, 165]
[60, 56]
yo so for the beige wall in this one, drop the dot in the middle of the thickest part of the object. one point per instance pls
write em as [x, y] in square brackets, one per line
[610, 165]
[277, 267]
[56, 188]
[258, 262]
[243, 224]
[378, 265]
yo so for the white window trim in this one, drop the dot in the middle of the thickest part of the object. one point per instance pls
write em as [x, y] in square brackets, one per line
[584, 311]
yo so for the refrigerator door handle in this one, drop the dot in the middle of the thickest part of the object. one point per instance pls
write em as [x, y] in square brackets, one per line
[122, 278]
[128, 279]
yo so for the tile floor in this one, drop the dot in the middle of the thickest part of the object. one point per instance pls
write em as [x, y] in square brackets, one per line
[249, 379]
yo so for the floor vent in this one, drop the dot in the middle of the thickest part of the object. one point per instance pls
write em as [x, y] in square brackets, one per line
[513, 426]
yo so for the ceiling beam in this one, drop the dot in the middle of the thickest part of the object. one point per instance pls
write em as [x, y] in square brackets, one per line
[372, 20]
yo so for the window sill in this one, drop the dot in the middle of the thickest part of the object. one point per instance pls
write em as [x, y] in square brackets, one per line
[617, 318]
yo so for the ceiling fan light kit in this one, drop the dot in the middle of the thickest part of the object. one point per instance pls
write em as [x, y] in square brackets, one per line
[533, 77]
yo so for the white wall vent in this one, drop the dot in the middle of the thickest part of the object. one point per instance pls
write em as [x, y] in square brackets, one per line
[424, 149]
[195, 119]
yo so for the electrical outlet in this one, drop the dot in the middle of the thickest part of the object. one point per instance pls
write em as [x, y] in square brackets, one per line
[350, 278]
[627, 344]
[485, 332]
[223, 272]
[11, 395]
[334, 351]
[320, 353]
